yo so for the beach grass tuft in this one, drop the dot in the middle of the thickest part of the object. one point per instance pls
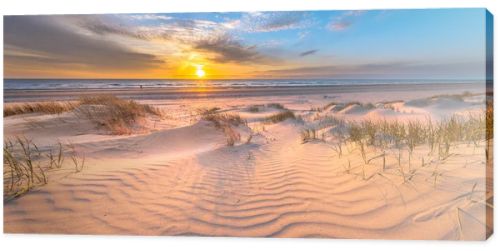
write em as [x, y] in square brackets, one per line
[227, 122]
[26, 166]
[118, 115]
[254, 108]
[308, 135]
[49, 107]
[281, 116]
[378, 139]
[276, 106]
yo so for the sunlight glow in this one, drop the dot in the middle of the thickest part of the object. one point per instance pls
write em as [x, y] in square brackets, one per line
[199, 71]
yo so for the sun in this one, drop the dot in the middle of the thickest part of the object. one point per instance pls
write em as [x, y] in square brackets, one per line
[199, 71]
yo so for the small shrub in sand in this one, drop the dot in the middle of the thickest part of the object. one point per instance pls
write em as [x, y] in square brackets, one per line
[254, 108]
[489, 130]
[49, 107]
[117, 115]
[26, 166]
[308, 135]
[282, 116]
[222, 119]
[276, 106]
[232, 136]
[383, 135]
[226, 122]
[460, 97]
[357, 135]
[368, 106]
[21, 170]
[489, 120]
[78, 161]
[414, 133]
[207, 111]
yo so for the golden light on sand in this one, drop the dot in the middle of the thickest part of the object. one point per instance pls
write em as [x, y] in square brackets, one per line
[199, 71]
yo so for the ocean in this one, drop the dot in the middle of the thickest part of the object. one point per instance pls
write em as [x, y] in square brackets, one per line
[62, 84]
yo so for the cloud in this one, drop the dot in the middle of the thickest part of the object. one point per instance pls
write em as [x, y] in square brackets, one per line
[182, 30]
[345, 20]
[148, 17]
[354, 13]
[226, 49]
[52, 43]
[104, 27]
[306, 53]
[274, 21]
[339, 26]
[303, 34]
[202, 35]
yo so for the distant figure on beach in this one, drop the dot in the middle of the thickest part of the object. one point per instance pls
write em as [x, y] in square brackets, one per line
[140, 86]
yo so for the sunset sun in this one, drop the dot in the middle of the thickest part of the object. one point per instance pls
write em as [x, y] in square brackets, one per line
[199, 71]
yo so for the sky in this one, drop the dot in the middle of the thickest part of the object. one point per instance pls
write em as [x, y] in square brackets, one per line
[378, 44]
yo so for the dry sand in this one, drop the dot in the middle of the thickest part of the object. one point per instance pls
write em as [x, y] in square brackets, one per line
[179, 177]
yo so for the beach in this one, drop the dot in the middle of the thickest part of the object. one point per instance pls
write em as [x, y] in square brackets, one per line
[258, 162]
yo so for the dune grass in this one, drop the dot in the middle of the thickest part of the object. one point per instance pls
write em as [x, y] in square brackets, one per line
[222, 119]
[412, 133]
[489, 119]
[227, 122]
[21, 170]
[118, 115]
[276, 106]
[461, 96]
[339, 106]
[397, 137]
[49, 107]
[128, 107]
[489, 131]
[207, 111]
[308, 135]
[254, 108]
[279, 117]
[26, 166]
[364, 105]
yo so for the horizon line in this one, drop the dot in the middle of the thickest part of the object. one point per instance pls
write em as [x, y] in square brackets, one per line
[228, 79]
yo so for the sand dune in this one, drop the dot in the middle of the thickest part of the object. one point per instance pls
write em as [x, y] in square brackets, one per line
[185, 180]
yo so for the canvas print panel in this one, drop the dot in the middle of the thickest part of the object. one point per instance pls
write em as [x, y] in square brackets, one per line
[373, 124]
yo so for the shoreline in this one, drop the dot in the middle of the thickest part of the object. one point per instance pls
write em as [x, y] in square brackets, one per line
[224, 92]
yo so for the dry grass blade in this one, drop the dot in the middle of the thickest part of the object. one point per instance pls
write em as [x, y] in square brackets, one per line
[24, 166]
[27, 167]
[49, 107]
[119, 116]
[281, 116]
[77, 159]
[308, 135]
[226, 122]
[276, 106]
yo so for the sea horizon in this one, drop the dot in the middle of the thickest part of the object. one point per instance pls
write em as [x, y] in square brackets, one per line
[99, 83]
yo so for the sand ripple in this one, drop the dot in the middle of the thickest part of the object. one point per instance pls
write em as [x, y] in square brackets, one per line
[280, 189]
